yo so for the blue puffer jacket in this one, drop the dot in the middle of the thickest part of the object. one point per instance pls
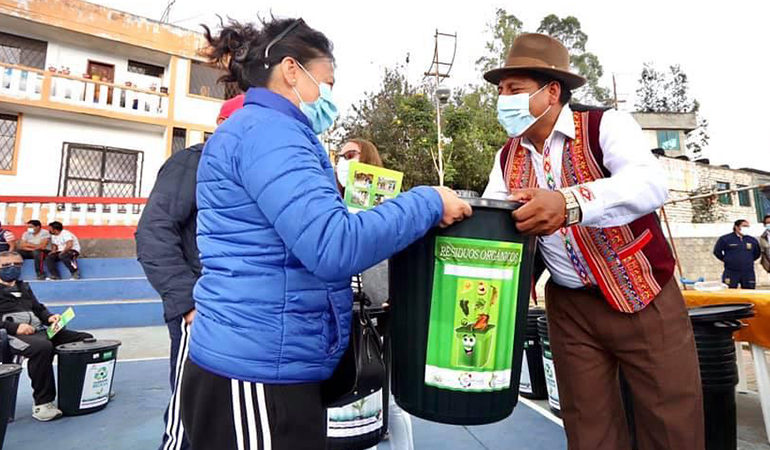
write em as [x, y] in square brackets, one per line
[278, 247]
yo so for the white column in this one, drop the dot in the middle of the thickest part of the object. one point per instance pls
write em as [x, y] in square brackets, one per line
[52, 212]
[3, 206]
[103, 95]
[90, 91]
[99, 212]
[16, 81]
[82, 214]
[19, 219]
[36, 211]
[114, 217]
[66, 217]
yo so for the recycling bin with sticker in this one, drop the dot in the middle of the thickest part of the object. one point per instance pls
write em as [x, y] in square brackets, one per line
[459, 301]
[85, 374]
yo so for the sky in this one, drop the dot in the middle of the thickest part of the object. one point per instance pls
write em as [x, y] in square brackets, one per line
[722, 46]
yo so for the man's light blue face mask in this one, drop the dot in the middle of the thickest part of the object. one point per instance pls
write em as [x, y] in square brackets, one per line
[322, 112]
[514, 115]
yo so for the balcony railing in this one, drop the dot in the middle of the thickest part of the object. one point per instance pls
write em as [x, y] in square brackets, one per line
[71, 211]
[27, 83]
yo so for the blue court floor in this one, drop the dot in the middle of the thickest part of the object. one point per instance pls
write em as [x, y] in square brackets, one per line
[134, 420]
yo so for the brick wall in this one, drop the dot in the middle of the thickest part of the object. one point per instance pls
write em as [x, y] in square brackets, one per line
[697, 260]
[686, 176]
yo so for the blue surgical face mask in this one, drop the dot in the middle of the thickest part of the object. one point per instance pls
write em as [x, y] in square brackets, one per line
[767, 227]
[10, 273]
[322, 112]
[513, 112]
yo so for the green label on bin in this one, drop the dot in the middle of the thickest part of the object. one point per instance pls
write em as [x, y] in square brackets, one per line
[472, 314]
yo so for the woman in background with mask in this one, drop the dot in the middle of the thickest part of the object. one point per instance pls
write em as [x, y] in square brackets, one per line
[278, 246]
[375, 283]
[355, 150]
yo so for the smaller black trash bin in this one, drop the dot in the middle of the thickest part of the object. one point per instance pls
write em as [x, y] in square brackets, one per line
[713, 327]
[9, 380]
[532, 384]
[550, 371]
[85, 374]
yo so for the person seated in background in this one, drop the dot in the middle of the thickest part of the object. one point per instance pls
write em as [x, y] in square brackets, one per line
[25, 319]
[35, 244]
[7, 240]
[66, 248]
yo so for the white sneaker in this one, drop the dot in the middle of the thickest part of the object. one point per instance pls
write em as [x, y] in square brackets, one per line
[46, 412]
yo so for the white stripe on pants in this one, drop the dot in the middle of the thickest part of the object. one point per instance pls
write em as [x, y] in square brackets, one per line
[255, 440]
[174, 427]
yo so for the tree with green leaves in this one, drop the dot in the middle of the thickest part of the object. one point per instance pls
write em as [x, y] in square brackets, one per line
[504, 30]
[570, 33]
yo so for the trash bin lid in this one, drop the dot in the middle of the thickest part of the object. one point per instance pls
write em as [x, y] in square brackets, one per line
[491, 203]
[87, 346]
[725, 311]
[7, 370]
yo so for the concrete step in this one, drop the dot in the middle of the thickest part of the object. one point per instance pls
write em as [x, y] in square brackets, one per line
[137, 288]
[112, 313]
[91, 268]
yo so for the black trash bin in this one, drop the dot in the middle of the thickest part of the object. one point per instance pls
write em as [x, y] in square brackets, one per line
[459, 306]
[550, 370]
[532, 382]
[85, 374]
[9, 381]
[713, 327]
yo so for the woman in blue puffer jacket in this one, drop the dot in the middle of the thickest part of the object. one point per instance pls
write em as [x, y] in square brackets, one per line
[278, 247]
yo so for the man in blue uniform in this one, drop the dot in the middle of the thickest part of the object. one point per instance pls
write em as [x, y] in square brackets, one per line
[738, 251]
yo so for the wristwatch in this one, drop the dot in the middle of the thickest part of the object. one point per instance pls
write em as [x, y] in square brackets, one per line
[573, 213]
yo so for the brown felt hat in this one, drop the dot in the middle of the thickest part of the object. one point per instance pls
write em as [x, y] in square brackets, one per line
[532, 52]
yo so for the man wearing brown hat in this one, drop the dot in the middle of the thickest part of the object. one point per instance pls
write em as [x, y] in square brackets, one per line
[590, 188]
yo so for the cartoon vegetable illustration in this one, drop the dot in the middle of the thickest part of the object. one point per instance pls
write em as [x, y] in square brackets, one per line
[464, 306]
[482, 322]
[493, 300]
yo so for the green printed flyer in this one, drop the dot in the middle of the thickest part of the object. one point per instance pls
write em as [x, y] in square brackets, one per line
[369, 186]
[66, 317]
[473, 314]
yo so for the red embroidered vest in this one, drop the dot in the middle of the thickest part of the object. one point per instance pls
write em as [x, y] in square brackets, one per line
[631, 263]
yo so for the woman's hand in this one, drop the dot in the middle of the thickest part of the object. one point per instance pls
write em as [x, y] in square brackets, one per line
[54, 318]
[455, 209]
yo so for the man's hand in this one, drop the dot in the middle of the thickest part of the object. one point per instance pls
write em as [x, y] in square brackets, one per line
[54, 318]
[25, 329]
[189, 316]
[543, 212]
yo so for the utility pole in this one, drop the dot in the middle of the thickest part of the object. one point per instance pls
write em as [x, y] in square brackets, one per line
[615, 93]
[440, 70]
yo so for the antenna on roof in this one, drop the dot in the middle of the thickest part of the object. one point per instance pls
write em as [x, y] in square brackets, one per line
[164, 18]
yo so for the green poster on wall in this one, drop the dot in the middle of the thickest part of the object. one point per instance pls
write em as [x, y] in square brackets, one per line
[472, 314]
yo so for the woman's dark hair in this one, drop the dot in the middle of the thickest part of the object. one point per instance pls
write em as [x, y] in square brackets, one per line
[240, 48]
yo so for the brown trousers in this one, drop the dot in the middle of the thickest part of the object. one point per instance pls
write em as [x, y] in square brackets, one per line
[654, 348]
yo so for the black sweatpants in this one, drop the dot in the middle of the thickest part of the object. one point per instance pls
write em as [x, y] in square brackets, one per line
[39, 257]
[225, 414]
[40, 360]
[173, 434]
[69, 258]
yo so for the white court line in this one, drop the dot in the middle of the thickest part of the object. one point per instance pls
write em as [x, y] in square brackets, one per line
[542, 411]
